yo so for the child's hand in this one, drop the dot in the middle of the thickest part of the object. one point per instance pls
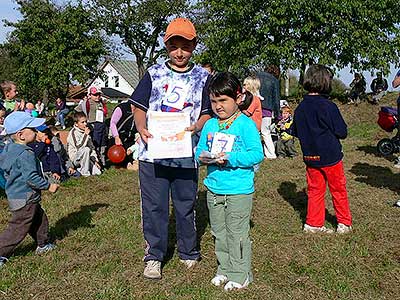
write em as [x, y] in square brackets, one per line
[71, 171]
[53, 187]
[221, 159]
[87, 130]
[192, 128]
[56, 176]
[145, 135]
[129, 152]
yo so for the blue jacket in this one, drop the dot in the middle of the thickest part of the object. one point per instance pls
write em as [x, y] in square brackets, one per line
[23, 175]
[48, 157]
[237, 177]
[319, 125]
[270, 91]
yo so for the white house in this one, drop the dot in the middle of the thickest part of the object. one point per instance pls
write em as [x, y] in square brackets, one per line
[120, 75]
[116, 78]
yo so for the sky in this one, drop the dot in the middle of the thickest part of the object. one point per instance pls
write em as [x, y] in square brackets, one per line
[9, 12]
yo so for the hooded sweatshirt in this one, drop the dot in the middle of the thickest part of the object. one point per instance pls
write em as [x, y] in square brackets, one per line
[23, 174]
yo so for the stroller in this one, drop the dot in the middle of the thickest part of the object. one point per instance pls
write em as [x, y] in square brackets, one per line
[387, 120]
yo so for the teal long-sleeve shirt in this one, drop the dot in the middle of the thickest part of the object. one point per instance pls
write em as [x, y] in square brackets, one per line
[237, 176]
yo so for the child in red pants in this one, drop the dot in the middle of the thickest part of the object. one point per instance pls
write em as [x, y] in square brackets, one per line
[319, 126]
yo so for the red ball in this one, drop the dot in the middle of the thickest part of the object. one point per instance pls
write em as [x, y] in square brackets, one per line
[116, 154]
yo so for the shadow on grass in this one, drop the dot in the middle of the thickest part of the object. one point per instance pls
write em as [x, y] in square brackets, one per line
[75, 220]
[369, 149]
[376, 176]
[202, 222]
[298, 200]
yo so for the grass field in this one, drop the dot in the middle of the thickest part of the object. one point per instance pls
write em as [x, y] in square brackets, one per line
[97, 227]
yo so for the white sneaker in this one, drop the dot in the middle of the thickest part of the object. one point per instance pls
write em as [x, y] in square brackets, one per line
[189, 263]
[57, 123]
[341, 228]
[3, 260]
[152, 270]
[219, 280]
[231, 285]
[312, 229]
[63, 127]
[46, 248]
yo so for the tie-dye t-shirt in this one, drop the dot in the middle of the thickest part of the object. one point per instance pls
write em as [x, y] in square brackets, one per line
[150, 94]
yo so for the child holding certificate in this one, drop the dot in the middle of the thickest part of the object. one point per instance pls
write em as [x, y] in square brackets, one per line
[230, 146]
[176, 86]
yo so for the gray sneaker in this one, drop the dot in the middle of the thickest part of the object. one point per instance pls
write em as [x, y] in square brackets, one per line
[3, 260]
[313, 229]
[152, 270]
[46, 248]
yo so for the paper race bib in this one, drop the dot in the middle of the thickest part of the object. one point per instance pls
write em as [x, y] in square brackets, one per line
[176, 94]
[222, 142]
[99, 115]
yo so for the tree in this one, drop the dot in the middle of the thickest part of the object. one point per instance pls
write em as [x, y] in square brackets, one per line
[8, 70]
[53, 47]
[139, 24]
[294, 33]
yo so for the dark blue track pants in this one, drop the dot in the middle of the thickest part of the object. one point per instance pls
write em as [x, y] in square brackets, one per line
[157, 183]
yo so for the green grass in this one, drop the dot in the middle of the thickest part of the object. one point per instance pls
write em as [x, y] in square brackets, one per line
[97, 226]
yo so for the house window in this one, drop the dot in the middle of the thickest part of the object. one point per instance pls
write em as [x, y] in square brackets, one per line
[106, 82]
[116, 81]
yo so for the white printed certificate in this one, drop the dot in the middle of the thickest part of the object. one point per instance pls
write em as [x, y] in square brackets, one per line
[170, 140]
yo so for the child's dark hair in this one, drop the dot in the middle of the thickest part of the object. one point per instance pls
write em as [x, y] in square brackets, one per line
[6, 86]
[318, 79]
[79, 115]
[227, 84]
[48, 132]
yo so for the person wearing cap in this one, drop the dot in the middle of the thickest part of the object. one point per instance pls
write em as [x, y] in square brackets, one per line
[174, 86]
[23, 187]
[95, 110]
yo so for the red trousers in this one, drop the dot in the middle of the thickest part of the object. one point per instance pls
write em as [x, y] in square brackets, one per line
[316, 181]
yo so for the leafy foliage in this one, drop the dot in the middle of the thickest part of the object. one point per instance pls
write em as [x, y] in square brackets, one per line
[54, 46]
[293, 33]
[139, 24]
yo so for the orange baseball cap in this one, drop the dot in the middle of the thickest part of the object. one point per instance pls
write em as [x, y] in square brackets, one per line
[180, 27]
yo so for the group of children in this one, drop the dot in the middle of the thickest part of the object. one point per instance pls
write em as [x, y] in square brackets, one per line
[225, 129]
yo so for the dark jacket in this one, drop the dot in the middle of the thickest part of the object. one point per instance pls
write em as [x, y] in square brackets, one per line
[23, 175]
[319, 125]
[49, 158]
[270, 91]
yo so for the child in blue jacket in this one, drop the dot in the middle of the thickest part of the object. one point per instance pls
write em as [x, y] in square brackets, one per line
[230, 146]
[24, 183]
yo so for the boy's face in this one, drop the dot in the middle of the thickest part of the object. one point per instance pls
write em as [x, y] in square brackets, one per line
[26, 136]
[12, 93]
[285, 114]
[180, 51]
[82, 123]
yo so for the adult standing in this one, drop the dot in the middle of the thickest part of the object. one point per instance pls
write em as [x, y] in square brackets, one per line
[95, 110]
[62, 111]
[270, 96]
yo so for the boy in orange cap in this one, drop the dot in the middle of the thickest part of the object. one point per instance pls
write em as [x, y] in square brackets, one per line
[174, 86]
